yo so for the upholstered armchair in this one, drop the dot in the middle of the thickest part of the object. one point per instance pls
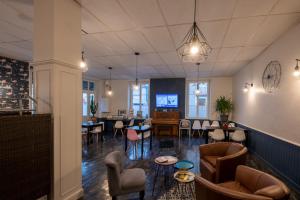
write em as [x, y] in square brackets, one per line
[123, 181]
[249, 184]
[218, 161]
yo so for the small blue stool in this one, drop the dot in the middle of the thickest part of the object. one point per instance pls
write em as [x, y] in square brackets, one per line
[184, 165]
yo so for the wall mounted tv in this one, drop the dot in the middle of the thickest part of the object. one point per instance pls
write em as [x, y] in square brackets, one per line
[167, 100]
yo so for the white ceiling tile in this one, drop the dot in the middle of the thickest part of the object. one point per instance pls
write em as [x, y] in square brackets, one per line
[170, 58]
[12, 51]
[111, 41]
[214, 31]
[5, 37]
[110, 13]
[143, 12]
[228, 54]
[248, 53]
[234, 67]
[246, 8]
[286, 6]
[91, 24]
[215, 9]
[177, 11]
[241, 30]
[160, 38]
[92, 47]
[28, 45]
[150, 59]
[136, 41]
[16, 31]
[272, 28]
[178, 32]
[18, 13]
[213, 55]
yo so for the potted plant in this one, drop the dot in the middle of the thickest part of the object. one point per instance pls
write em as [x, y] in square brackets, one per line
[93, 108]
[224, 106]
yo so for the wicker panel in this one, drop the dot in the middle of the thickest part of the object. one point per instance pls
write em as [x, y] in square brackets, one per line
[25, 156]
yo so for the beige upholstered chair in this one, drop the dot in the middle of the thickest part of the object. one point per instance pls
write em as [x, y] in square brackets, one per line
[123, 181]
[217, 135]
[218, 161]
[118, 126]
[249, 184]
[185, 124]
[238, 136]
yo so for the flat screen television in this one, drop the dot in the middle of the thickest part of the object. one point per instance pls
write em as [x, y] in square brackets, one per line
[167, 100]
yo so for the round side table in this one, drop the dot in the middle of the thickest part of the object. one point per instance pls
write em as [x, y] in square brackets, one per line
[184, 165]
[185, 184]
[163, 164]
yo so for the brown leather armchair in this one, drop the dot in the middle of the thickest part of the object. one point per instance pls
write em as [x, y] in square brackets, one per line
[249, 184]
[218, 161]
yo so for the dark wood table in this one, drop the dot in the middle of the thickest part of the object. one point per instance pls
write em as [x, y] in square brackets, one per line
[139, 130]
[90, 126]
[226, 131]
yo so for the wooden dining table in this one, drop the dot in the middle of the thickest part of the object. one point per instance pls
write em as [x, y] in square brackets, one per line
[139, 130]
[90, 126]
[226, 130]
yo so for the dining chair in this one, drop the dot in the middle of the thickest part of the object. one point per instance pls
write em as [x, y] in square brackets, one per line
[215, 124]
[133, 137]
[196, 127]
[147, 122]
[185, 124]
[217, 135]
[118, 126]
[238, 136]
[205, 124]
[96, 132]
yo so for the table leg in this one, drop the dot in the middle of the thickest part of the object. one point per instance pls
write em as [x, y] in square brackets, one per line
[155, 177]
[151, 139]
[142, 150]
[126, 140]
[89, 135]
[206, 136]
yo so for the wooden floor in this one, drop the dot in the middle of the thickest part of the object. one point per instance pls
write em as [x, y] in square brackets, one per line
[94, 171]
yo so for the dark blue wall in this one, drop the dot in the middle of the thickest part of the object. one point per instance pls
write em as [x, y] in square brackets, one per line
[280, 156]
[168, 86]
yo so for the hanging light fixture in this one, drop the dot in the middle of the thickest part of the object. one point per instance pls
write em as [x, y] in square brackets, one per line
[197, 91]
[194, 46]
[109, 92]
[246, 87]
[297, 70]
[83, 65]
[136, 84]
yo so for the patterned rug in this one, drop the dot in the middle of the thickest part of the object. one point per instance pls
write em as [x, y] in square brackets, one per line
[182, 192]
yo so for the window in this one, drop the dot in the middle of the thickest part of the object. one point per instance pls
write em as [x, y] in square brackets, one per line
[88, 88]
[198, 106]
[139, 99]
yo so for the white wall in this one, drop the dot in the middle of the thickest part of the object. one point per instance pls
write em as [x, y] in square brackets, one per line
[221, 86]
[277, 113]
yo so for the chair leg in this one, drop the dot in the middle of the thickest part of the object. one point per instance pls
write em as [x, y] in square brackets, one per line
[142, 194]
[116, 130]
[136, 150]
[122, 131]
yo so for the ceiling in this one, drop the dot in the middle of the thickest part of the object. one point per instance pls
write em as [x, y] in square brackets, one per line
[237, 30]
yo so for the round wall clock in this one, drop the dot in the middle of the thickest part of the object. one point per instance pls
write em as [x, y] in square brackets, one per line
[271, 76]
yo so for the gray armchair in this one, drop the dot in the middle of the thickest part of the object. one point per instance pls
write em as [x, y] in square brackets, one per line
[123, 181]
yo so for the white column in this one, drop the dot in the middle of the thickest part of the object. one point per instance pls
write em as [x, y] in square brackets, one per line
[57, 48]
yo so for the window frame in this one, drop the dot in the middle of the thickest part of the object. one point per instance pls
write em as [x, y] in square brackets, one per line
[89, 92]
[130, 96]
[187, 98]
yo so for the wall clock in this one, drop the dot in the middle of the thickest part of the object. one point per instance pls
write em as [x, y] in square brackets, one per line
[271, 76]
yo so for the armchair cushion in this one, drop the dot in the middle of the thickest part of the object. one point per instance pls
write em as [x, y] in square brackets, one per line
[133, 180]
[273, 191]
[211, 160]
[224, 157]
[235, 186]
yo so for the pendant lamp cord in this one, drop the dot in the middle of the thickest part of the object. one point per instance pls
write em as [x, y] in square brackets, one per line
[195, 11]
[198, 75]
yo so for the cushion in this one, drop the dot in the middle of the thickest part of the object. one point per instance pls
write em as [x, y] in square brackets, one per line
[211, 160]
[133, 180]
[236, 186]
[273, 191]
[233, 148]
[185, 124]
